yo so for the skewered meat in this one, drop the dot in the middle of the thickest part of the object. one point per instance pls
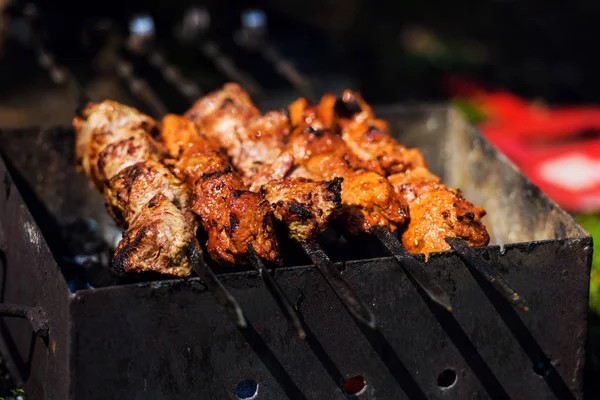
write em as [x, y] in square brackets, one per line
[436, 211]
[303, 206]
[309, 153]
[104, 123]
[229, 117]
[120, 157]
[232, 215]
[367, 136]
[318, 153]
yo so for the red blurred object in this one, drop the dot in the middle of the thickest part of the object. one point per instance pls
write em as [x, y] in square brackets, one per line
[558, 149]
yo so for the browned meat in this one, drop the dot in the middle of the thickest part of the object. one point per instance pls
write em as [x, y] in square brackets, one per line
[157, 239]
[436, 211]
[133, 187]
[104, 123]
[433, 217]
[368, 198]
[303, 205]
[139, 147]
[414, 182]
[251, 140]
[121, 158]
[438, 214]
[367, 136]
[255, 143]
[232, 215]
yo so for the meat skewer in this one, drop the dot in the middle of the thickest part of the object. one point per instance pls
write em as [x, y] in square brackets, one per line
[238, 221]
[304, 115]
[457, 222]
[303, 205]
[119, 156]
[430, 202]
[309, 151]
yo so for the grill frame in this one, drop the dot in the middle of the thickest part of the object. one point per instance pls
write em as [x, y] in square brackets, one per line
[176, 325]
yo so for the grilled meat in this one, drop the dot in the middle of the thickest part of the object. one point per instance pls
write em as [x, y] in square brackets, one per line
[103, 124]
[318, 153]
[232, 215]
[304, 205]
[438, 214]
[367, 136]
[120, 157]
[254, 142]
[436, 211]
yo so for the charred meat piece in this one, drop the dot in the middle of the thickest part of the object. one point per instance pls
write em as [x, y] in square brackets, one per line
[232, 215]
[257, 154]
[369, 139]
[367, 136]
[133, 187]
[251, 140]
[115, 149]
[368, 198]
[303, 205]
[157, 240]
[438, 214]
[433, 217]
[104, 123]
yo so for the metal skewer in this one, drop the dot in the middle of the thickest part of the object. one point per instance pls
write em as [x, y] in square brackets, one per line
[141, 42]
[193, 29]
[276, 292]
[475, 261]
[215, 286]
[412, 267]
[253, 36]
[340, 286]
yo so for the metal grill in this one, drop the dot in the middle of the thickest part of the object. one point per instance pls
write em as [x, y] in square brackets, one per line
[359, 288]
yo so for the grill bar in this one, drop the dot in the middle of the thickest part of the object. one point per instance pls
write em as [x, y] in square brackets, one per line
[276, 292]
[476, 262]
[213, 283]
[340, 286]
[139, 87]
[252, 36]
[413, 269]
[210, 49]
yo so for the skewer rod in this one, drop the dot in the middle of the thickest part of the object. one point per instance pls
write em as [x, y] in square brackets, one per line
[413, 268]
[475, 261]
[276, 292]
[339, 285]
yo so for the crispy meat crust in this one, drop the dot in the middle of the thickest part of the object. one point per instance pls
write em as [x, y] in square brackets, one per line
[115, 149]
[231, 214]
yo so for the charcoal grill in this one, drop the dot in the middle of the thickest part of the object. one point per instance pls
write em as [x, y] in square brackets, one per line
[169, 339]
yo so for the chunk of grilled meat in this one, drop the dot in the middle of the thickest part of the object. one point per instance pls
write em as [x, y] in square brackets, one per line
[101, 125]
[229, 117]
[365, 135]
[432, 217]
[318, 153]
[254, 143]
[157, 239]
[232, 215]
[437, 212]
[115, 150]
[303, 205]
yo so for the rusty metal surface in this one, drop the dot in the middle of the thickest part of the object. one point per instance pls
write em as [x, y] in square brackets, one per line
[169, 339]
